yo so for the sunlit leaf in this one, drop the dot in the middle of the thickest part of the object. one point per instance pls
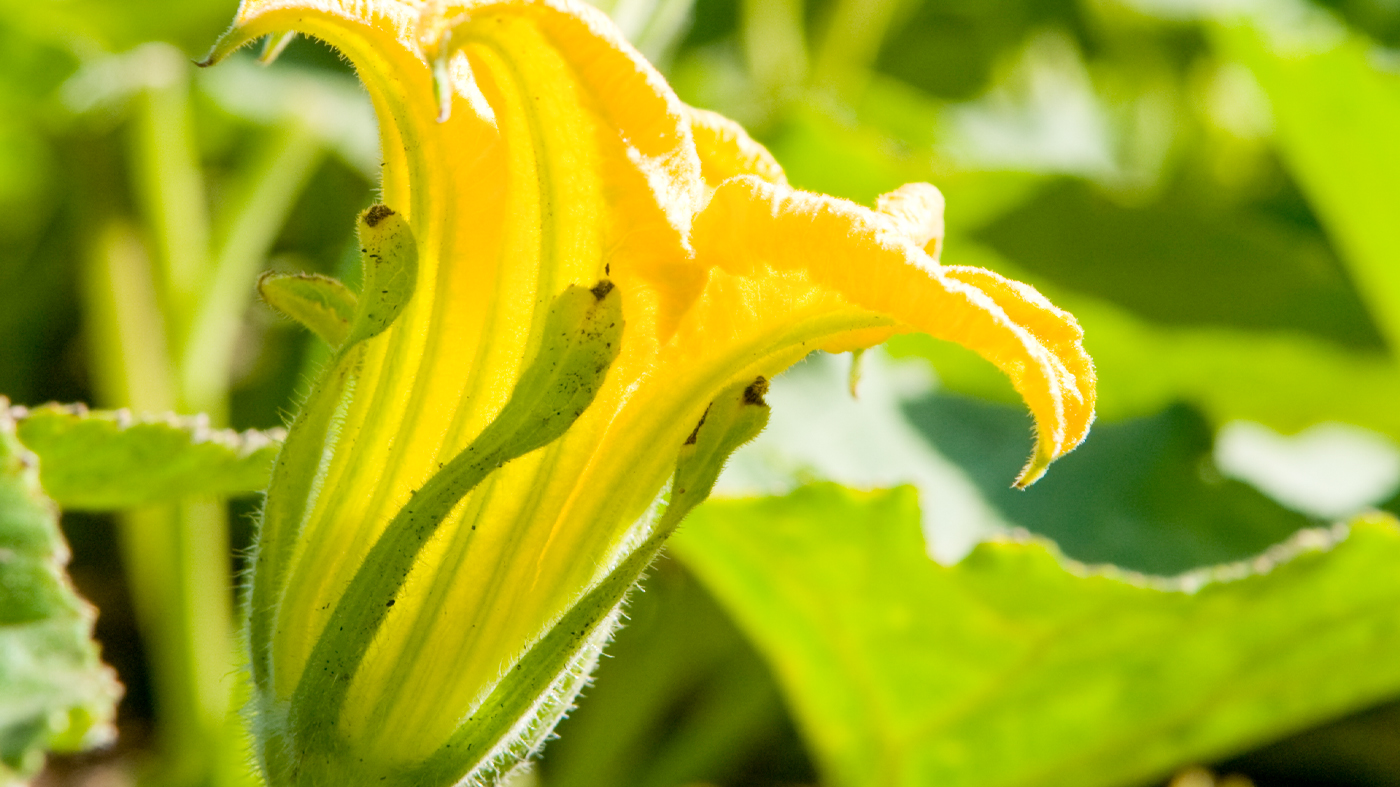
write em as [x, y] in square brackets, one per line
[1016, 668]
[103, 460]
[1337, 117]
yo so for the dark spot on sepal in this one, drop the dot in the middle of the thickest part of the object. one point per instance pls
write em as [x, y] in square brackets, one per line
[376, 214]
[602, 288]
[755, 392]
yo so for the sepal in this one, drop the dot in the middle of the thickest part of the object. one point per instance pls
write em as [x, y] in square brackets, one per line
[390, 258]
[321, 304]
[581, 337]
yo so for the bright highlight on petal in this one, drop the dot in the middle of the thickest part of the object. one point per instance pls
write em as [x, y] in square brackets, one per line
[531, 153]
[916, 209]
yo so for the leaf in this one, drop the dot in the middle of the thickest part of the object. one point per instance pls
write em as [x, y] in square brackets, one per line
[1143, 494]
[1180, 262]
[950, 49]
[55, 693]
[1009, 668]
[682, 698]
[1337, 117]
[104, 460]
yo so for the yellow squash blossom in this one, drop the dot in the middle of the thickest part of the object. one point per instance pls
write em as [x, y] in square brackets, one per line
[572, 303]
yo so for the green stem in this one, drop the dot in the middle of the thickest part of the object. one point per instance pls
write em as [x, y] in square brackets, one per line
[162, 333]
[175, 556]
[775, 43]
[171, 188]
[277, 177]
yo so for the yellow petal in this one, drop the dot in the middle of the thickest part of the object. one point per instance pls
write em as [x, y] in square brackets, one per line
[873, 264]
[916, 210]
[727, 150]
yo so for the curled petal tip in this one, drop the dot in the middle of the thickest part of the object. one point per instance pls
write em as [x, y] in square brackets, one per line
[916, 211]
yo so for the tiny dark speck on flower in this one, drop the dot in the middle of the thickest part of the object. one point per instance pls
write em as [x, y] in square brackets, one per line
[390, 604]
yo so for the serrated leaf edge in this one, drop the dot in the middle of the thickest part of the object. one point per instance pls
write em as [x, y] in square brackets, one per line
[243, 443]
[1309, 541]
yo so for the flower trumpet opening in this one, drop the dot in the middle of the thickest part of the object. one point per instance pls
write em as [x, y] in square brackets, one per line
[445, 519]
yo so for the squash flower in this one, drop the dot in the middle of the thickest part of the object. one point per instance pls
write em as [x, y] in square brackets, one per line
[575, 291]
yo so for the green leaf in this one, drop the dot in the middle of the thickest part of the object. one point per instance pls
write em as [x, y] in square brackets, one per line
[1143, 494]
[1010, 667]
[55, 693]
[104, 460]
[1183, 262]
[682, 698]
[1337, 118]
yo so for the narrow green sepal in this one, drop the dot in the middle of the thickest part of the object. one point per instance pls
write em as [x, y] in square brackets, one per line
[512, 722]
[231, 41]
[390, 260]
[442, 88]
[390, 257]
[734, 418]
[581, 338]
[853, 379]
[274, 45]
[294, 475]
[320, 303]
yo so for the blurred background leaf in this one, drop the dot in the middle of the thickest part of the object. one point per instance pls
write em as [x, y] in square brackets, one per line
[55, 692]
